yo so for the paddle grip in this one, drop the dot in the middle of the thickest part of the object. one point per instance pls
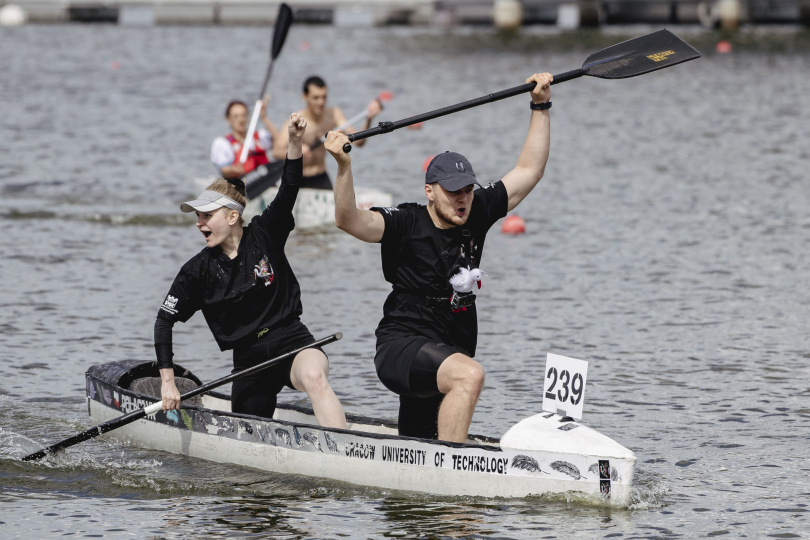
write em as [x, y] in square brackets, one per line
[153, 408]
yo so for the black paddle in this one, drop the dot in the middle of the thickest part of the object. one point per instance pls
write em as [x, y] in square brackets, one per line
[633, 57]
[283, 22]
[262, 177]
[116, 423]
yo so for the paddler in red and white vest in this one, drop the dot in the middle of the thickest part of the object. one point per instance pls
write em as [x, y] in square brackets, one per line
[226, 150]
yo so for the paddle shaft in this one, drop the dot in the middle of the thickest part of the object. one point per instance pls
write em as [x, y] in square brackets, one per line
[252, 129]
[637, 56]
[386, 127]
[283, 22]
[254, 119]
[256, 183]
[115, 423]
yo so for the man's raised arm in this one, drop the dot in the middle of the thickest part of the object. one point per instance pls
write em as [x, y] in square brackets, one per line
[363, 224]
[531, 163]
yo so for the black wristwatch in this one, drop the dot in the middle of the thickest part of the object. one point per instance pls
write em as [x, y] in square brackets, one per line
[540, 106]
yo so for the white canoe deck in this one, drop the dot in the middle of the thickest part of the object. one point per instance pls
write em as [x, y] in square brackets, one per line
[543, 454]
[315, 208]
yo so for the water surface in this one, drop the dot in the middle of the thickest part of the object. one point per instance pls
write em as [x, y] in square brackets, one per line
[667, 245]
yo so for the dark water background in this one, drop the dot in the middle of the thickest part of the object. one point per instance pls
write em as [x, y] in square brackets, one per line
[667, 245]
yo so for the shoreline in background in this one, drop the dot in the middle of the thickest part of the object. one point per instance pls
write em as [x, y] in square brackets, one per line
[503, 14]
[762, 38]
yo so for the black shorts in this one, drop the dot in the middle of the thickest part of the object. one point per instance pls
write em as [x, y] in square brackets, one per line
[319, 181]
[256, 394]
[408, 365]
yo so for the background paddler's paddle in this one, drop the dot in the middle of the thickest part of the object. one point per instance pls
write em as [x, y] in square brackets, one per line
[115, 423]
[266, 176]
[381, 98]
[630, 58]
[283, 22]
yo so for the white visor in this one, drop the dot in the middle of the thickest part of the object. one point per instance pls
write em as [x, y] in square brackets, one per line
[209, 201]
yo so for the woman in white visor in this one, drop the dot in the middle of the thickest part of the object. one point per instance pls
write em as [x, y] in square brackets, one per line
[247, 291]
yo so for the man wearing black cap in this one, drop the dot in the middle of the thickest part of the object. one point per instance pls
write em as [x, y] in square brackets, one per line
[430, 254]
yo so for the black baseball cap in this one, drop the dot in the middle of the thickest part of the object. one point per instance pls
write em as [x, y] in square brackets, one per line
[451, 170]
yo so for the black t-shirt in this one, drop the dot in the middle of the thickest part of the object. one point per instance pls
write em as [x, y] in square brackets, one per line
[419, 259]
[256, 290]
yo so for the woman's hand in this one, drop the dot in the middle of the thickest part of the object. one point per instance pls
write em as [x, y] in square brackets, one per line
[296, 127]
[170, 396]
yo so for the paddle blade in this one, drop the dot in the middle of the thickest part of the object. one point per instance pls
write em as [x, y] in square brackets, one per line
[283, 22]
[94, 431]
[639, 55]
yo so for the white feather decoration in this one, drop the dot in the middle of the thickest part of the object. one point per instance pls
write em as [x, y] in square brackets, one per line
[466, 279]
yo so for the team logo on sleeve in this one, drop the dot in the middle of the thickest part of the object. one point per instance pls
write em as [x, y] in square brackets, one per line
[265, 271]
[169, 305]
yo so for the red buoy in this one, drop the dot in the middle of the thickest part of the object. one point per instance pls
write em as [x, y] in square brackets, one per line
[426, 163]
[724, 47]
[513, 225]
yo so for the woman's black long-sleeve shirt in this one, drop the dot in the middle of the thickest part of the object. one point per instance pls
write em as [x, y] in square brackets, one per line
[242, 297]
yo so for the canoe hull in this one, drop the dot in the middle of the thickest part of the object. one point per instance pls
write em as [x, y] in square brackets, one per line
[368, 454]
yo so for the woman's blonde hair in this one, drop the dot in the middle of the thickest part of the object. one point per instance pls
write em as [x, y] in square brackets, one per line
[232, 188]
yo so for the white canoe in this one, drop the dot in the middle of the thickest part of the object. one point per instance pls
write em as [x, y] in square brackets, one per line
[314, 208]
[543, 454]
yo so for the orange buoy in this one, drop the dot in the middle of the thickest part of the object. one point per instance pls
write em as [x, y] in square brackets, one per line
[723, 47]
[426, 163]
[304, 45]
[513, 225]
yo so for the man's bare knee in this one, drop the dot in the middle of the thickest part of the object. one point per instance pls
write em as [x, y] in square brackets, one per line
[476, 376]
[461, 373]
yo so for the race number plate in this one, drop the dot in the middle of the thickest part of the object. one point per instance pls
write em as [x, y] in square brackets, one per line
[564, 385]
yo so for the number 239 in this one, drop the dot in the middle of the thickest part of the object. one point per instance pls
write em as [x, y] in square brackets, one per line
[570, 387]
